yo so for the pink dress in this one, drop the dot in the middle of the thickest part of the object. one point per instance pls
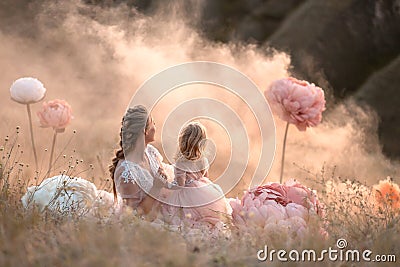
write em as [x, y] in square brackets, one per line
[199, 200]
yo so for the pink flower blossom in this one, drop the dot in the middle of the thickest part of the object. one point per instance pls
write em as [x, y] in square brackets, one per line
[299, 194]
[276, 205]
[272, 191]
[56, 114]
[297, 102]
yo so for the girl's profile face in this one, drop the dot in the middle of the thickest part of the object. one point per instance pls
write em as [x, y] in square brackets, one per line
[150, 131]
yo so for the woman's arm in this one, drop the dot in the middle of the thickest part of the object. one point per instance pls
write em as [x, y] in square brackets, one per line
[141, 201]
[149, 206]
[134, 195]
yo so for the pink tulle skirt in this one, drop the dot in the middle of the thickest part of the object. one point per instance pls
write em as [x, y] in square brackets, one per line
[201, 201]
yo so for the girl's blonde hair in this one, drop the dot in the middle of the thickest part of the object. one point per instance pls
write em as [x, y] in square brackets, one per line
[191, 141]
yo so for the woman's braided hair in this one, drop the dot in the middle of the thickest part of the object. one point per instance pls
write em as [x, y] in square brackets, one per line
[133, 123]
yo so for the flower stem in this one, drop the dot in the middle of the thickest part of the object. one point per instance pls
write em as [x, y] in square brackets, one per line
[28, 108]
[283, 152]
[52, 150]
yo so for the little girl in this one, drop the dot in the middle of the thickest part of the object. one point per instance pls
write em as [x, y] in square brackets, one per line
[195, 197]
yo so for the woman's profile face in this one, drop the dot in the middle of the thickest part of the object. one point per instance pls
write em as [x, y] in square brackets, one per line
[150, 131]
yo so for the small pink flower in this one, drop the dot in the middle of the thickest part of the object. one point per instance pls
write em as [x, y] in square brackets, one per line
[297, 102]
[56, 114]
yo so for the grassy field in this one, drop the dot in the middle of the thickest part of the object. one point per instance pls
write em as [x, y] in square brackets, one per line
[95, 59]
[34, 238]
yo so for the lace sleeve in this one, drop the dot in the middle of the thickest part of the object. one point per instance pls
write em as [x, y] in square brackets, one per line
[155, 159]
[155, 153]
[133, 174]
[126, 186]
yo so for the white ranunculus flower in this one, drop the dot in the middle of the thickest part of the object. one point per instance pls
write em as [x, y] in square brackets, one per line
[27, 90]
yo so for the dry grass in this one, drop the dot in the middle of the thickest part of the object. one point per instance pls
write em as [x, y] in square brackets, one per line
[34, 238]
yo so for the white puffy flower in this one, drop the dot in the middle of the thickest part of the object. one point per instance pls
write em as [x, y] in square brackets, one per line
[66, 194]
[27, 90]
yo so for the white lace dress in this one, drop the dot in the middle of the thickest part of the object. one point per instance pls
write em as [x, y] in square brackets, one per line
[133, 181]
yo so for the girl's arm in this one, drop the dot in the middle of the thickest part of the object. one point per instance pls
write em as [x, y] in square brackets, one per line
[180, 176]
[206, 167]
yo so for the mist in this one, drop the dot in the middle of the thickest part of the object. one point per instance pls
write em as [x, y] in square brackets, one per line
[95, 58]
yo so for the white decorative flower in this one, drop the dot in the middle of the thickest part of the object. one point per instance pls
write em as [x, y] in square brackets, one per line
[27, 90]
[66, 194]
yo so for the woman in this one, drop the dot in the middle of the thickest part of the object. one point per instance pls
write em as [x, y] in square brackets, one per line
[137, 170]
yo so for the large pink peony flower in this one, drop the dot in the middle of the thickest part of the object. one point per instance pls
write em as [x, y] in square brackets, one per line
[297, 102]
[27, 90]
[275, 205]
[56, 114]
[299, 194]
